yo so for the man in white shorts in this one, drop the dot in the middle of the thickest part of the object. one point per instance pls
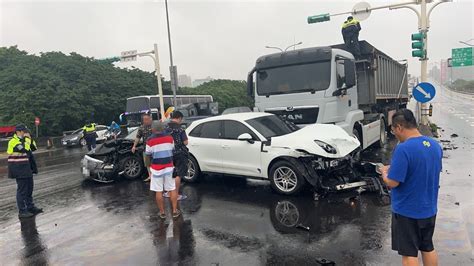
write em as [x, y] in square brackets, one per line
[159, 147]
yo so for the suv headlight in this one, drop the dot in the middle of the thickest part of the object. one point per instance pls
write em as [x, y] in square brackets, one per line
[326, 147]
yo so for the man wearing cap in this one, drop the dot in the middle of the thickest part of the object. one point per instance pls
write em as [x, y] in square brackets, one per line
[159, 147]
[19, 168]
[350, 34]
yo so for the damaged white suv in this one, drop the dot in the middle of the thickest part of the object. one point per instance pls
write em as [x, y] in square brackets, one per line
[263, 146]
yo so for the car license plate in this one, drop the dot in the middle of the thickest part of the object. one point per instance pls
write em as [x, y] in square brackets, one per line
[86, 172]
[64, 143]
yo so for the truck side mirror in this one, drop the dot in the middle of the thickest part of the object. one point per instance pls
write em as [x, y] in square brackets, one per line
[250, 88]
[349, 73]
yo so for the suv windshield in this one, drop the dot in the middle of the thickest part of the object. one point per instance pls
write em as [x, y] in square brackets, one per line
[270, 126]
[296, 78]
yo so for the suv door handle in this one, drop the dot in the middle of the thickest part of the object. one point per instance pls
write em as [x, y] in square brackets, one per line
[225, 147]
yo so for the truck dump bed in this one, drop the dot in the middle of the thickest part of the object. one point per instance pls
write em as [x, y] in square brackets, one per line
[380, 79]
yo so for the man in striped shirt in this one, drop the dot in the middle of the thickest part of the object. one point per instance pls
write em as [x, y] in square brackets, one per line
[159, 147]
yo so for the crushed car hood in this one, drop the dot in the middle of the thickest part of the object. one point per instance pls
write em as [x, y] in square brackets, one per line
[304, 139]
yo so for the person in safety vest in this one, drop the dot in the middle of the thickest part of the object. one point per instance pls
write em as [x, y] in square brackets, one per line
[90, 135]
[33, 147]
[350, 34]
[19, 168]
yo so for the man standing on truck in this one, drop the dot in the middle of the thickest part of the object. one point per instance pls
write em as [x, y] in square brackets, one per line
[414, 178]
[350, 34]
[19, 168]
[144, 132]
[90, 135]
[180, 152]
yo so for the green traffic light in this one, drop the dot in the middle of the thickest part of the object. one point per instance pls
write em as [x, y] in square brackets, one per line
[417, 36]
[319, 18]
[417, 45]
[418, 53]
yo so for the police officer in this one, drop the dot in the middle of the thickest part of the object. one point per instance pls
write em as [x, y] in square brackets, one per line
[19, 168]
[350, 34]
[90, 135]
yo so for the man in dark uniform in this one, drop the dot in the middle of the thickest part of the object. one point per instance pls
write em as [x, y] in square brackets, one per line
[90, 135]
[19, 168]
[350, 34]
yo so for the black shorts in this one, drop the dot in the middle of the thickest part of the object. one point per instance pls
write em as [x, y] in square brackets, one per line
[412, 235]
[180, 163]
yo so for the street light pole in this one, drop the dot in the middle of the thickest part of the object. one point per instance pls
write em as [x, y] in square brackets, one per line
[128, 56]
[274, 47]
[286, 49]
[158, 79]
[293, 45]
[467, 43]
[173, 71]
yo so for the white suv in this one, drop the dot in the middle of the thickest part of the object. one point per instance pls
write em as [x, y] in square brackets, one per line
[263, 146]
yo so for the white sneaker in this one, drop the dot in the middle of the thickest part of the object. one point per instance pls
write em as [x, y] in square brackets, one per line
[166, 194]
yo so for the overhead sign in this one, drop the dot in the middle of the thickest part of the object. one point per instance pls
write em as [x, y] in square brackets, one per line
[37, 121]
[424, 92]
[128, 56]
[462, 57]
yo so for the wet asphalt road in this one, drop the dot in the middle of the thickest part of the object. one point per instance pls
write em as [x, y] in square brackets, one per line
[227, 221]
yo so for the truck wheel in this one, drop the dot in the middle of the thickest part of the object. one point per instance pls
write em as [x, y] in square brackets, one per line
[383, 134]
[285, 178]
[193, 171]
[132, 167]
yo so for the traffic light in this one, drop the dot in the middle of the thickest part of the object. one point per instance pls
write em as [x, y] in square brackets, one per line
[418, 44]
[318, 18]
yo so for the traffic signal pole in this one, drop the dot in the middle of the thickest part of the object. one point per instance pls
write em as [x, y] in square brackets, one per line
[423, 26]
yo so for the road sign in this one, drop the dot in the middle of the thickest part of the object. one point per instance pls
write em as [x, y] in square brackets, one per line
[128, 56]
[462, 57]
[424, 92]
[361, 11]
[319, 18]
[37, 121]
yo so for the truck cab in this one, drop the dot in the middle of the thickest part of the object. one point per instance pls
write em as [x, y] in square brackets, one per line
[320, 85]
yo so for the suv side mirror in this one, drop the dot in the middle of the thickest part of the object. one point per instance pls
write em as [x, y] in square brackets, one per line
[349, 73]
[246, 137]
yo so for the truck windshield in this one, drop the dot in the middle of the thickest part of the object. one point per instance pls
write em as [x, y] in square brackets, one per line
[293, 79]
[270, 126]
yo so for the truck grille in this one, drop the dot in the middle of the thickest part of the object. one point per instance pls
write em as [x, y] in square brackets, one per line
[298, 115]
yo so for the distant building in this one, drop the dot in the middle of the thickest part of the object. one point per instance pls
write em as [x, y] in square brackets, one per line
[198, 82]
[185, 81]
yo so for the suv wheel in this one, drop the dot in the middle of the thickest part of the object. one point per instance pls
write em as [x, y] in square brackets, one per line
[132, 167]
[193, 171]
[285, 178]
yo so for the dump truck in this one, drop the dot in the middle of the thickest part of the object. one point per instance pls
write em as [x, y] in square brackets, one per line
[328, 85]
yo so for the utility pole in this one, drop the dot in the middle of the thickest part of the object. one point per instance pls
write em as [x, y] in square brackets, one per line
[362, 11]
[173, 68]
[132, 56]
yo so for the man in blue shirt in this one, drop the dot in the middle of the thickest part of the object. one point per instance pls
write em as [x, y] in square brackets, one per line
[413, 177]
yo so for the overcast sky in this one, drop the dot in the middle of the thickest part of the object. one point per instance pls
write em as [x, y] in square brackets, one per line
[221, 39]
